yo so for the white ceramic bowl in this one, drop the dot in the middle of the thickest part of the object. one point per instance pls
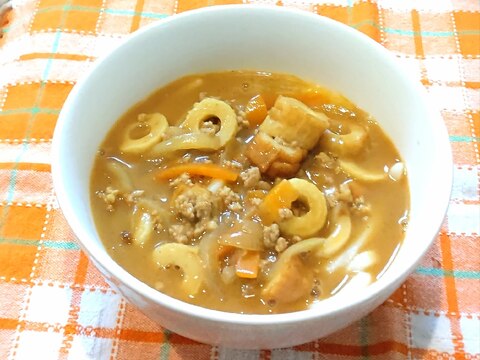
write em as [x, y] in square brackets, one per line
[260, 38]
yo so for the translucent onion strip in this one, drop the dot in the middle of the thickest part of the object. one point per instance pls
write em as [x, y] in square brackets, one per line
[142, 225]
[246, 235]
[358, 282]
[339, 237]
[362, 261]
[347, 255]
[360, 174]
[197, 140]
[120, 176]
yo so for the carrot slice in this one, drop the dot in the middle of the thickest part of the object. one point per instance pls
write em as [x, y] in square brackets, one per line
[224, 250]
[317, 96]
[248, 264]
[281, 196]
[256, 111]
[269, 99]
[210, 170]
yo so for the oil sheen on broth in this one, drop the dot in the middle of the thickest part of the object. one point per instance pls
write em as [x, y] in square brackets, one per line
[249, 192]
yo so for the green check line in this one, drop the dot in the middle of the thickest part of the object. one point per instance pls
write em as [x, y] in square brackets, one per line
[61, 245]
[422, 33]
[459, 138]
[364, 337]
[71, 245]
[107, 11]
[458, 274]
[32, 110]
[165, 349]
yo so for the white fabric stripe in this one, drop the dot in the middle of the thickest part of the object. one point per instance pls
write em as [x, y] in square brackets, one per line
[32, 153]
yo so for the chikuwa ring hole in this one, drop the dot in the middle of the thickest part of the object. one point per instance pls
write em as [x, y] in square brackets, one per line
[211, 124]
[300, 208]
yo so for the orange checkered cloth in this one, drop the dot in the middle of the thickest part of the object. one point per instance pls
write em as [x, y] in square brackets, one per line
[54, 304]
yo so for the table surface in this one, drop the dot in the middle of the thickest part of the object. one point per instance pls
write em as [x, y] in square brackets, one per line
[53, 302]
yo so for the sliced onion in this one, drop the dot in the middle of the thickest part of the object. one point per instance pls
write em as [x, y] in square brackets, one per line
[246, 235]
[339, 236]
[195, 140]
[208, 252]
[358, 282]
[362, 261]
[344, 258]
[360, 174]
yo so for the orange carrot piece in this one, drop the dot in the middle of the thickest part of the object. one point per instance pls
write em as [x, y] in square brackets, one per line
[269, 99]
[312, 97]
[256, 111]
[318, 96]
[281, 196]
[210, 170]
[248, 264]
[224, 250]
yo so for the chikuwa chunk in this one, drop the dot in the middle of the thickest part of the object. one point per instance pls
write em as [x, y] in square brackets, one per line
[286, 135]
[289, 284]
[272, 157]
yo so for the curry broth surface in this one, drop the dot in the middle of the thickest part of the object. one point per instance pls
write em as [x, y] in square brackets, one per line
[388, 200]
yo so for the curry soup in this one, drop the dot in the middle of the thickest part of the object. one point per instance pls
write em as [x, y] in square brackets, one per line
[249, 192]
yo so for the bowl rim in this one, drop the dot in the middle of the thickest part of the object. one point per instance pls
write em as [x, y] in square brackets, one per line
[108, 265]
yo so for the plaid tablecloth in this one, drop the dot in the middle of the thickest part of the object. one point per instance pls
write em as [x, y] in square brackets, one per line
[54, 304]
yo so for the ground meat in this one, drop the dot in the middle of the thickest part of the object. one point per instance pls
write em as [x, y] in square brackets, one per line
[281, 244]
[202, 226]
[255, 201]
[331, 198]
[270, 235]
[328, 179]
[242, 120]
[263, 185]
[157, 226]
[296, 238]
[230, 198]
[235, 206]
[209, 127]
[326, 161]
[251, 177]
[126, 237]
[181, 233]
[194, 204]
[132, 197]
[285, 213]
[183, 179]
[360, 206]
[344, 193]
[109, 196]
